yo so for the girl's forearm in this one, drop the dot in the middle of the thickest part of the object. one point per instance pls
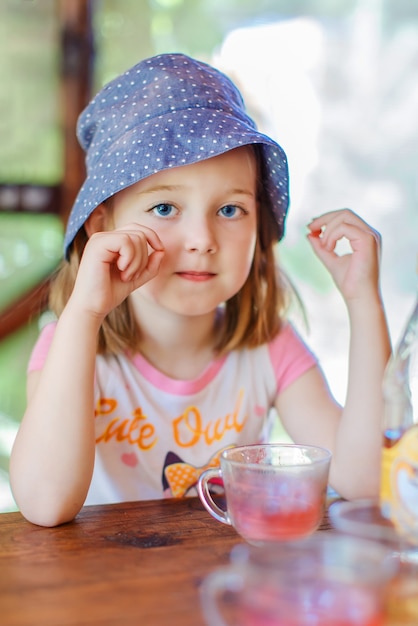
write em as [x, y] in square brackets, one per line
[53, 456]
[360, 426]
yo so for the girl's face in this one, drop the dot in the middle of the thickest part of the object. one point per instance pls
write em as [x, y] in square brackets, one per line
[206, 216]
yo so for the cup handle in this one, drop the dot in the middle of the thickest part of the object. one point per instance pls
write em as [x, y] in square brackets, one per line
[215, 584]
[206, 498]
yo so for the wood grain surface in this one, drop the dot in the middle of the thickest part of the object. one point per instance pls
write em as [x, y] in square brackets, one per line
[135, 563]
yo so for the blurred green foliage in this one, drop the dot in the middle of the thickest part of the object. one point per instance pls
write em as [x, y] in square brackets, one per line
[31, 140]
[30, 249]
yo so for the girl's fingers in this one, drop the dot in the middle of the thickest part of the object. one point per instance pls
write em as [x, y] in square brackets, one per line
[137, 229]
[133, 253]
[138, 244]
[128, 248]
[354, 272]
[340, 215]
[333, 219]
[358, 237]
[150, 270]
[333, 226]
[139, 264]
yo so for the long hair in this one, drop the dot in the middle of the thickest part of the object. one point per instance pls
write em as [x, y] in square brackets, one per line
[250, 318]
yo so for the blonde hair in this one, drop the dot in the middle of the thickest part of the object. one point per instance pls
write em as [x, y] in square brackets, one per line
[250, 318]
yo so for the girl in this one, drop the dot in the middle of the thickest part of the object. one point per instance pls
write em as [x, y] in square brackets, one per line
[172, 341]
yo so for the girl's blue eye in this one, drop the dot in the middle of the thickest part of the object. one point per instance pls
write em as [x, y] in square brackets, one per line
[230, 210]
[163, 209]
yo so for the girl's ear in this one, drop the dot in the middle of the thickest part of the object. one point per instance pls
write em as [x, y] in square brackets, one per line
[96, 222]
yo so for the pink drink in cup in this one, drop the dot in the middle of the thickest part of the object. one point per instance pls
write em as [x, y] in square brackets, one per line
[283, 516]
[273, 491]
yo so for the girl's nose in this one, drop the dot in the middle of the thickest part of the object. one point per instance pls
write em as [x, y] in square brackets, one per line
[200, 236]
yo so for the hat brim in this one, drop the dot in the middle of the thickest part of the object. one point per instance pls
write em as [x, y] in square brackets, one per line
[174, 139]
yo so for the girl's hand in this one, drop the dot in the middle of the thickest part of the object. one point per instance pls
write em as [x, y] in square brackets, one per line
[356, 274]
[115, 263]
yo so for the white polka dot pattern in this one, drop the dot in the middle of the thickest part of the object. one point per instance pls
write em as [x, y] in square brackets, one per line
[166, 111]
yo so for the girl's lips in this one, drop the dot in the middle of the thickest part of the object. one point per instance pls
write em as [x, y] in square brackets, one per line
[195, 276]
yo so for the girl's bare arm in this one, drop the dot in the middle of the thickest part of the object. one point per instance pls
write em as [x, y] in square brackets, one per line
[53, 455]
[353, 433]
[52, 458]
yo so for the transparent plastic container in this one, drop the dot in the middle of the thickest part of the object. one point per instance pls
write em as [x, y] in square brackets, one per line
[399, 478]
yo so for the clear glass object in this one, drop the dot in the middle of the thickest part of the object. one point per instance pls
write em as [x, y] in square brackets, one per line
[393, 519]
[322, 580]
[274, 492]
[399, 478]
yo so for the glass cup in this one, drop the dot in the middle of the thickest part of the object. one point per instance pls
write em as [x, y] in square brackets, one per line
[272, 491]
[363, 518]
[323, 580]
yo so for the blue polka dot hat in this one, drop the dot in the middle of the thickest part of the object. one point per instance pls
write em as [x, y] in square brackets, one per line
[166, 111]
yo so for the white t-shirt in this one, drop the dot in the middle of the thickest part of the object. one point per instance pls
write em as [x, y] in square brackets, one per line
[155, 434]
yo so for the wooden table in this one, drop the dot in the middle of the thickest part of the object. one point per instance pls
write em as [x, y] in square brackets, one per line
[135, 563]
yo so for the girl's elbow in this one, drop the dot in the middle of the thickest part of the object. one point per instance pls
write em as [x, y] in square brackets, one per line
[44, 510]
[357, 487]
[47, 517]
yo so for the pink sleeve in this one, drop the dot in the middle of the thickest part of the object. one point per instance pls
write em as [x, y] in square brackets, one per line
[290, 357]
[39, 352]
